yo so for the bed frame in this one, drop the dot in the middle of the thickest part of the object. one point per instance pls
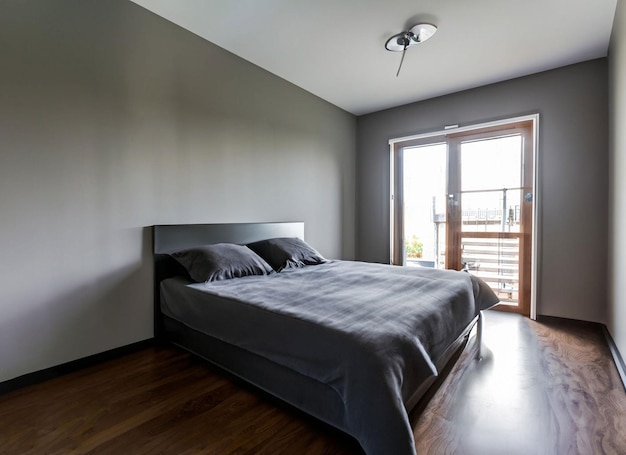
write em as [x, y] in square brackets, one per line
[252, 368]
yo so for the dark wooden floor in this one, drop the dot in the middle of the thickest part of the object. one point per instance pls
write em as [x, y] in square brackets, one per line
[542, 388]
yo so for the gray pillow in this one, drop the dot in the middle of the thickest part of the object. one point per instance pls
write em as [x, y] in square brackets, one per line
[221, 261]
[286, 253]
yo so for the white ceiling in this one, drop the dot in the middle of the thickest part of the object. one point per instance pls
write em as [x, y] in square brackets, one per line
[335, 48]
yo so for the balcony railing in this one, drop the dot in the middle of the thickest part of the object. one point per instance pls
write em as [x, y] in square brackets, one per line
[490, 238]
[495, 260]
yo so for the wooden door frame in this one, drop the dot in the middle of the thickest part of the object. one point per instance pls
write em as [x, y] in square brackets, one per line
[454, 229]
[529, 243]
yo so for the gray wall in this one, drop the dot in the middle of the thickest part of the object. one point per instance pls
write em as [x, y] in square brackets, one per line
[112, 119]
[617, 228]
[573, 160]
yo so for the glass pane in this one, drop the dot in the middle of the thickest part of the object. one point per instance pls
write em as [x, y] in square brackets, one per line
[491, 211]
[424, 189]
[491, 201]
[491, 163]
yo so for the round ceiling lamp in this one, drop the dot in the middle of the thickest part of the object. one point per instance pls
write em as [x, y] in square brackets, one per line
[403, 40]
[415, 35]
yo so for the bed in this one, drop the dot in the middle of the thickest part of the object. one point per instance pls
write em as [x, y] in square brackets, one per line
[353, 344]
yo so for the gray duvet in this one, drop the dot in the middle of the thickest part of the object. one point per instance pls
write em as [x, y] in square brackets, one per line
[371, 332]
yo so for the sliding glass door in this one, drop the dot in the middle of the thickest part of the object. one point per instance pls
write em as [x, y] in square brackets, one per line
[464, 201]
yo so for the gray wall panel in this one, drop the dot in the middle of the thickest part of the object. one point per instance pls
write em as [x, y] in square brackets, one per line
[617, 236]
[572, 103]
[113, 119]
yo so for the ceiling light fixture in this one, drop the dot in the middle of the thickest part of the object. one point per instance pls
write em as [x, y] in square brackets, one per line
[403, 40]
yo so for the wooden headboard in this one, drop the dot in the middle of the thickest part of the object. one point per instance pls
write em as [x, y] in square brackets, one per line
[168, 238]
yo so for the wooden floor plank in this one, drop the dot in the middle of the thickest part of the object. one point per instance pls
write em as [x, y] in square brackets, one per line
[545, 387]
[541, 388]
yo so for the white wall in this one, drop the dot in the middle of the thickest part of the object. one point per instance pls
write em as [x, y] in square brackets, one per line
[111, 120]
[617, 232]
